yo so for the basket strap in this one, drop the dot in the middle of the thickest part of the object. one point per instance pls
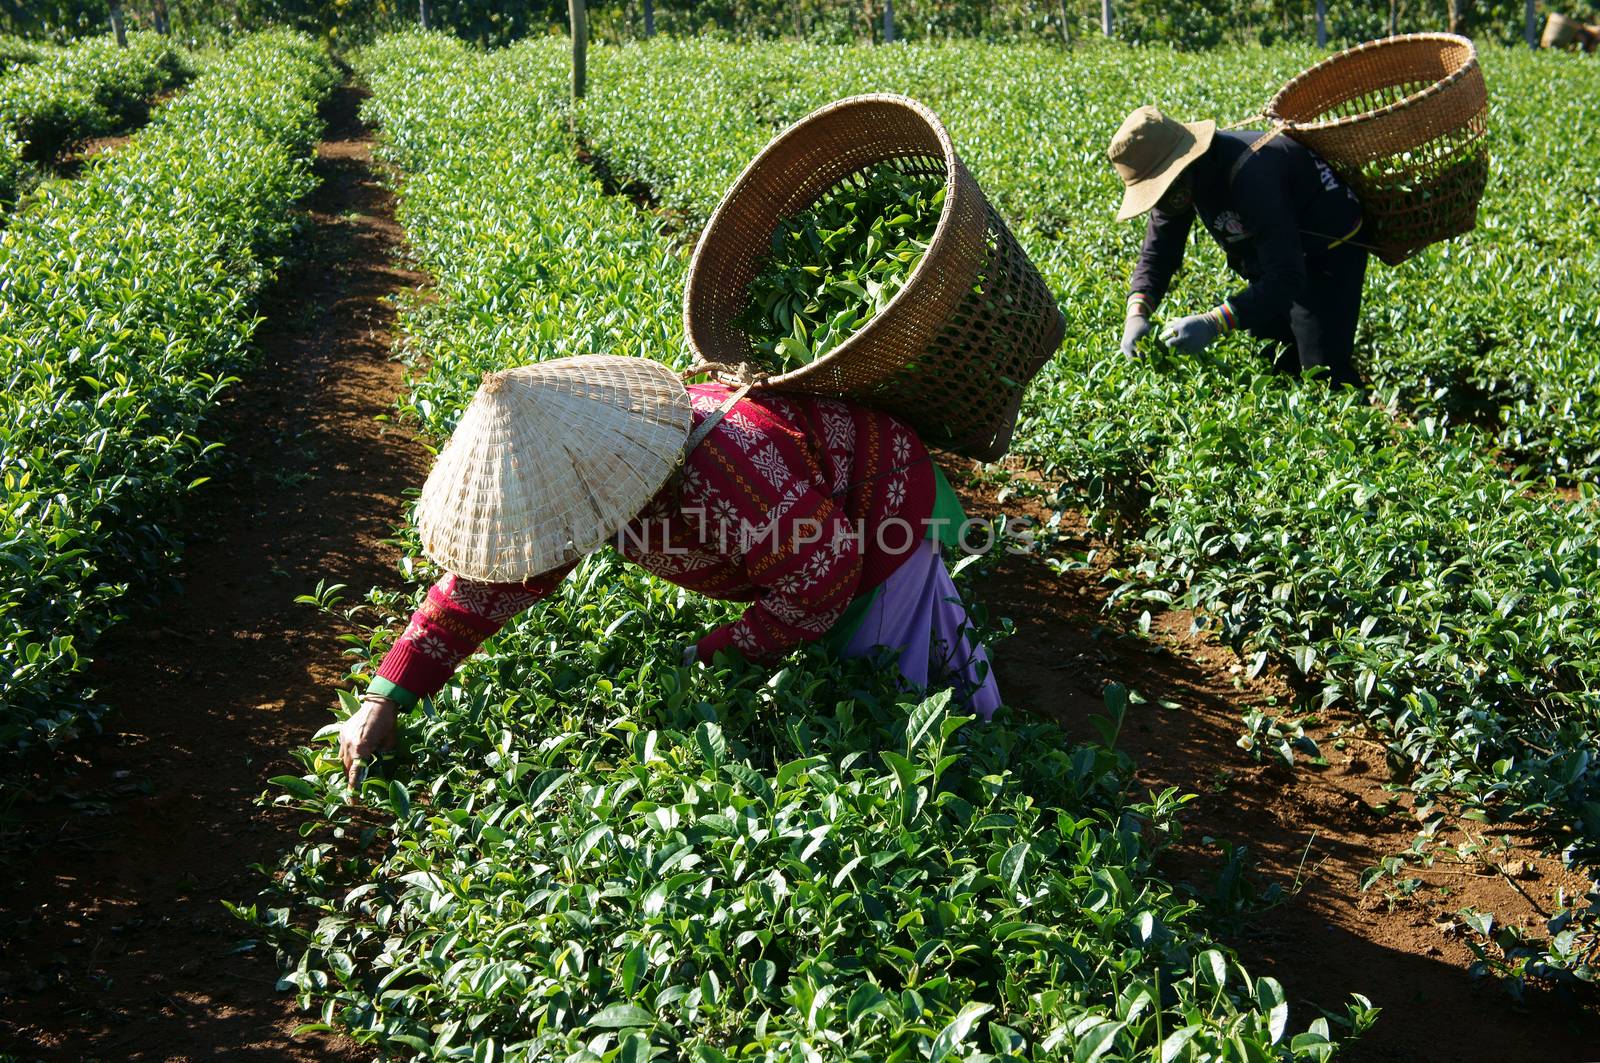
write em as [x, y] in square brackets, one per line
[1241, 123]
[728, 372]
[1256, 145]
[706, 426]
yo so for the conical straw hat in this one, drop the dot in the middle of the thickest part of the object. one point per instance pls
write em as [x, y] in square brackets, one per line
[549, 461]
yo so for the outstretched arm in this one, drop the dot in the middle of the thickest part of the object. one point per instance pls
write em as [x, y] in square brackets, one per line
[1165, 238]
[455, 618]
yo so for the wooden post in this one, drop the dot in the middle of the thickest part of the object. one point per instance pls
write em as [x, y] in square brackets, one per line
[158, 15]
[1394, 17]
[422, 13]
[1531, 25]
[649, 19]
[1322, 23]
[888, 21]
[1066, 31]
[578, 12]
[1105, 17]
[118, 30]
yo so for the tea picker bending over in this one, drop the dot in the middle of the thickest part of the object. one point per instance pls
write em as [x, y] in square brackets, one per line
[1287, 224]
[826, 517]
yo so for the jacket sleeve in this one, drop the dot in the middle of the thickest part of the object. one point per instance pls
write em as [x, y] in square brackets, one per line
[1260, 195]
[455, 618]
[1165, 237]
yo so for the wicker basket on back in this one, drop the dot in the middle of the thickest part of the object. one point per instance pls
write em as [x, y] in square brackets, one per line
[1404, 122]
[953, 351]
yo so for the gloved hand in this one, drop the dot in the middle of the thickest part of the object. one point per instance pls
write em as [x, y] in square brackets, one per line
[1192, 334]
[1134, 329]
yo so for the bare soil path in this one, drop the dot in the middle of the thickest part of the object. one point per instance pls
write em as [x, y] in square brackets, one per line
[116, 945]
[1320, 827]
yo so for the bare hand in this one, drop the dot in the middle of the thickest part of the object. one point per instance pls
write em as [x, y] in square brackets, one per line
[369, 729]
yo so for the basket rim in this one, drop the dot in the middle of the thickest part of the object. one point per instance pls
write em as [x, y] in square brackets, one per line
[943, 234]
[1463, 71]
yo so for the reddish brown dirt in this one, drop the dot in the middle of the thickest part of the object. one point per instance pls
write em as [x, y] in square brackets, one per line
[1320, 827]
[72, 163]
[116, 942]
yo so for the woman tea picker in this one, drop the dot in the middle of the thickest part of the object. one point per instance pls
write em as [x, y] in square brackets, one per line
[826, 517]
[1286, 223]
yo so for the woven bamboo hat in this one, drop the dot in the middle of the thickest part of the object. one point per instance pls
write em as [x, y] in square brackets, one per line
[1149, 151]
[549, 461]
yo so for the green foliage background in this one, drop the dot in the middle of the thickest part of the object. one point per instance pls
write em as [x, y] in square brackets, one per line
[1196, 23]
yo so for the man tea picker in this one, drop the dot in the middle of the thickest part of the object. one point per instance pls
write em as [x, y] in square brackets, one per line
[1381, 148]
[825, 516]
[1286, 222]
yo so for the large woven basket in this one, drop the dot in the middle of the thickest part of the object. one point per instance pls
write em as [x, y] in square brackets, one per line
[1404, 122]
[1563, 32]
[953, 351]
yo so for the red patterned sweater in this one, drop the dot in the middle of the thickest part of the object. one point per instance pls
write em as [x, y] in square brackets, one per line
[795, 504]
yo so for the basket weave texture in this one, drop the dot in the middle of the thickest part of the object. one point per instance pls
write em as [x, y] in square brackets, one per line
[953, 351]
[1404, 121]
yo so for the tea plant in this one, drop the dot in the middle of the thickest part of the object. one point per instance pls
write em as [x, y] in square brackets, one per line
[125, 310]
[1403, 562]
[1497, 329]
[89, 89]
[15, 52]
[838, 263]
[585, 851]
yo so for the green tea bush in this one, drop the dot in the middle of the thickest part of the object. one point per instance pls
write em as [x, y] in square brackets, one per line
[87, 90]
[587, 852]
[12, 168]
[1409, 569]
[126, 307]
[15, 52]
[1498, 330]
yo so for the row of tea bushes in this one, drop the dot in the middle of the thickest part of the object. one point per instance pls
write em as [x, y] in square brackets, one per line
[588, 852]
[127, 305]
[86, 90]
[1403, 566]
[1499, 329]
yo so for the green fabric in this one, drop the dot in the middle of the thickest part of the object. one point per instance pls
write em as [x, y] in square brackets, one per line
[843, 630]
[393, 691]
[946, 508]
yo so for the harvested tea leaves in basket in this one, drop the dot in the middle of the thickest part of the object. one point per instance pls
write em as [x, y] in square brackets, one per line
[838, 263]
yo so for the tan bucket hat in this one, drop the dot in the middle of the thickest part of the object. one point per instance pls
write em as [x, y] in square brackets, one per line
[1149, 151]
[549, 461]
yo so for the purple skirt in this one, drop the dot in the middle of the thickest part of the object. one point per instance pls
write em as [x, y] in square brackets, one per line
[918, 613]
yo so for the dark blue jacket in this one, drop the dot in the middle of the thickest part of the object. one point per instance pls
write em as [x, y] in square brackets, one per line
[1278, 208]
